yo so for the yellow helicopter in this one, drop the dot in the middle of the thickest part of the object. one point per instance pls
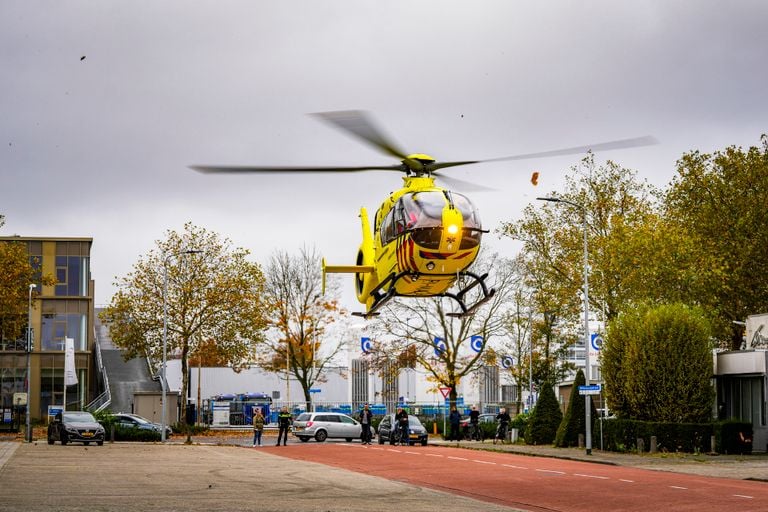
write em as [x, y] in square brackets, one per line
[424, 237]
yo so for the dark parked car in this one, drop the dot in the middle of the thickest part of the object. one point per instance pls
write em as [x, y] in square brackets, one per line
[77, 427]
[418, 434]
[127, 420]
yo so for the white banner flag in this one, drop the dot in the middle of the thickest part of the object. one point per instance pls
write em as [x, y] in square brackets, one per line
[70, 375]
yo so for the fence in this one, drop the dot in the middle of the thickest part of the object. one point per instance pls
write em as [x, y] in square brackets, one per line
[239, 414]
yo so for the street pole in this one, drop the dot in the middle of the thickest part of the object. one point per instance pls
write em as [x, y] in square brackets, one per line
[163, 381]
[29, 364]
[587, 398]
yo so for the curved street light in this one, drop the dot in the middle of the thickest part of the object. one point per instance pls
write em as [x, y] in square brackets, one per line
[587, 398]
[163, 381]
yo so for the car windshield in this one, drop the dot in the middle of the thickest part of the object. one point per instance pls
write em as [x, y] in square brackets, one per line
[414, 421]
[78, 417]
[304, 416]
[139, 420]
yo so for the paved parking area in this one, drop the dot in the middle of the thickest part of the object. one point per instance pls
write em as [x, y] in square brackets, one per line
[171, 477]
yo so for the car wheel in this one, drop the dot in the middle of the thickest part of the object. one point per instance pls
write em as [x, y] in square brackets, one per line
[64, 438]
[304, 439]
[100, 443]
[381, 439]
[348, 439]
[51, 440]
[424, 443]
[321, 436]
[86, 443]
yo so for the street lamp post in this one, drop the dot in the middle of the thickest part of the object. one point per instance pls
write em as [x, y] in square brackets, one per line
[587, 397]
[29, 364]
[163, 381]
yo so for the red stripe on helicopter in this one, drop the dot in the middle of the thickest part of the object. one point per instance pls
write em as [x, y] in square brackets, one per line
[414, 267]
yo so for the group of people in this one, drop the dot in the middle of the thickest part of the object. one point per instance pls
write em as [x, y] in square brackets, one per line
[284, 420]
[454, 418]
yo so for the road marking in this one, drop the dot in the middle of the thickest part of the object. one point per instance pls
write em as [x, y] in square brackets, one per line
[551, 471]
[483, 462]
[432, 455]
[514, 467]
[625, 480]
[591, 476]
[678, 487]
[457, 458]
[743, 496]
[414, 453]
[393, 450]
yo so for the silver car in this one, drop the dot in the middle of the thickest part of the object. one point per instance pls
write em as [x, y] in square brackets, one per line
[324, 425]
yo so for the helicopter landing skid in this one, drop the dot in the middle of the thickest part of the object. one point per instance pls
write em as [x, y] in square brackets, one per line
[381, 298]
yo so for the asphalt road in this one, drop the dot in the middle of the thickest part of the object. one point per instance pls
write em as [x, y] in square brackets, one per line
[538, 483]
[205, 478]
[228, 474]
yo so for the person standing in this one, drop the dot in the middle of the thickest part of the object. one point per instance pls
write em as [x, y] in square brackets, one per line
[474, 424]
[454, 418]
[401, 419]
[284, 421]
[258, 427]
[366, 417]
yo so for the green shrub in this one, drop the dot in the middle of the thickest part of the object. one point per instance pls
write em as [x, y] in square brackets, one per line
[545, 418]
[734, 437]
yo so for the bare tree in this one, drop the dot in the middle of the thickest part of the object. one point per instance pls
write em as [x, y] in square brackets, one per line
[423, 331]
[300, 343]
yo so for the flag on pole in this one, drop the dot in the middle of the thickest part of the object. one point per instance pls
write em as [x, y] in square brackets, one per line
[70, 375]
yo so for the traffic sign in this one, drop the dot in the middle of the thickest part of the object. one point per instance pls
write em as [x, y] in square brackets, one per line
[314, 390]
[594, 389]
[445, 392]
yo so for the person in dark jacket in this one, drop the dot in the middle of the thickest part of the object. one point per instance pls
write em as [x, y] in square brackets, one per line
[366, 417]
[454, 418]
[284, 421]
[401, 420]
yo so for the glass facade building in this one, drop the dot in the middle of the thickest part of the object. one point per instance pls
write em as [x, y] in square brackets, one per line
[62, 310]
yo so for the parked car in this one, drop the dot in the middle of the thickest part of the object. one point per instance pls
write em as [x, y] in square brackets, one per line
[324, 425]
[127, 420]
[77, 427]
[484, 418]
[417, 432]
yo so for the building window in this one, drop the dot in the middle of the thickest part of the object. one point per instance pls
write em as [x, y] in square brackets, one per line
[11, 381]
[64, 319]
[52, 389]
[72, 269]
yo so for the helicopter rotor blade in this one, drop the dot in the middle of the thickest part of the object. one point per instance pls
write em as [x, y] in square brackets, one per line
[461, 185]
[635, 142]
[245, 169]
[362, 126]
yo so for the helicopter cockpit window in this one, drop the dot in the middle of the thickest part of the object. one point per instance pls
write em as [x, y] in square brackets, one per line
[422, 209]
[472, 226]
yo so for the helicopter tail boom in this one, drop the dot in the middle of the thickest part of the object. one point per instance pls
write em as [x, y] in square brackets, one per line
[344, 269]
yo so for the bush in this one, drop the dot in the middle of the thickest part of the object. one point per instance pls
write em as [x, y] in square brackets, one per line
[575, 421]
[622, 435]
[734, 437]
[545, 418]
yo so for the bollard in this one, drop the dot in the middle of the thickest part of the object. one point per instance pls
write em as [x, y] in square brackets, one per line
[653, 444]
[713, 445]
[581, 440]
[434, 428]
[640, 445]
[112, 433]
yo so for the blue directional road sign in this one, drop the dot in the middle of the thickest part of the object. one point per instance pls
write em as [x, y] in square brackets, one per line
[594, 389]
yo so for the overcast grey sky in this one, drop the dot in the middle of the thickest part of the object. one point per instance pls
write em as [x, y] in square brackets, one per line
[99, 146]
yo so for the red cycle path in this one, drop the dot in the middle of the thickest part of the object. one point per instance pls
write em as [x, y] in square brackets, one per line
[536, 483]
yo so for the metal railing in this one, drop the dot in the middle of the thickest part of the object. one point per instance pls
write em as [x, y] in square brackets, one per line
[102, 401]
